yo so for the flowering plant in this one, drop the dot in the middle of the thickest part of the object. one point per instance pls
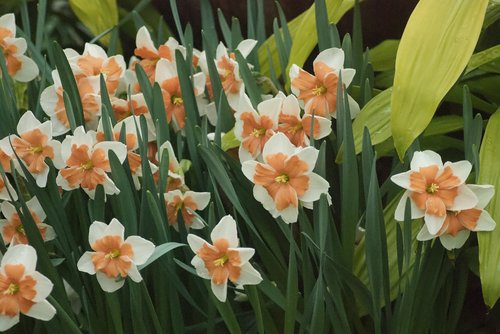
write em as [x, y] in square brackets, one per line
[160, 182]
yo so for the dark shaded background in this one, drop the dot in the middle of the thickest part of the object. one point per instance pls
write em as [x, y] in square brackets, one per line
[382, 19]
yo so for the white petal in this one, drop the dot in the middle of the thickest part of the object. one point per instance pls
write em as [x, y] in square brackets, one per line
[291, 106]
[134, 274]
[50, 233]
[434, 223]
[402, 179]
[347, 76]
[21, 254]
[200, 198]
[309, 155]
[461, 169]
[199, 265]
[115, 228]
[248, 275]
[28, 70]
[142, 249]
[8, 210]
[234, 98]
[8, 21]
[248, 169]
[28, 122]
[199, 80]
[226, 229]
[108, 284]
[354, 109]
[58, 161]
[195, 242]
[41, 178]
[245, 156]
[85, 263]
[278, 143]
[260, 193]
[95, 50]
[425, 159]
[270, 108]
[118, 148]
[96, 231]
[485, 222]
[465, 199]
[245, 253]
[416, 212]
[483, 192]
[424, 234]
[220, 290]
[7, 322]
[43, 286]
[317, 186]
[221, 51]
[451, 242]
[246, 46]
[165, 70]
[289, 214]
[333, 58]
[143, 40]
[34, 205]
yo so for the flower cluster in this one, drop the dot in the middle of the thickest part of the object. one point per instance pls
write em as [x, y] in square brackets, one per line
[451, 209]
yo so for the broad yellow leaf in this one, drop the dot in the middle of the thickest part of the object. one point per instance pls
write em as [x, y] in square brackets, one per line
[383, 56]
[483, 57]
[96, 15]
[304, 37]
[489, 242]
[436, 45]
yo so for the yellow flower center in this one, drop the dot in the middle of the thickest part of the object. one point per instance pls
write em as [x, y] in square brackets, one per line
[294, 129]
[258, 132]
[113, 254]
[221, 261]
[283, 178]
[432, 188]
[177, 101]
[12, 289]
[319, 90]
[20, 229]
[87, 165]
[36, 149]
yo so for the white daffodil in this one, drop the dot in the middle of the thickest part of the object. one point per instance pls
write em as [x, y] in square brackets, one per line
[86, 162]
[318, 92]
[22, 288]
[434, 189]
[285, 178]
[458, 224]
[113, 258]
[177, 202]
[223, 260]
[12, 228]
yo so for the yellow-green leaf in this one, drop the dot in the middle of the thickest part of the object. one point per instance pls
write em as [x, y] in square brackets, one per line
[483, 57]
[436, 45]
[229, 141]
[304, 37]
[96, 15]
[489, 245]
[383, 56]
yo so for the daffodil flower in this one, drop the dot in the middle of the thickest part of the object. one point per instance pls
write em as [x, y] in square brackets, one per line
[177, 202]
[93, 62]
[52, 102]
[20, 67]
[12, 228]
[33, 145]
[166, 76]
[434, 189]
[253, 129]
[223, 260]
[22, 288]
[298, 128]
[318, 92]
[458, 224]
[285, 178]
[113, 258]
[86, 162]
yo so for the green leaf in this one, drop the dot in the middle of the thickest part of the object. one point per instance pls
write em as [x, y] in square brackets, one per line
[159, 252]
[489, 247]
[482, 58]
[97, 16]
[230, 141]
[383, 56]
[436, 45]
[304, 37]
